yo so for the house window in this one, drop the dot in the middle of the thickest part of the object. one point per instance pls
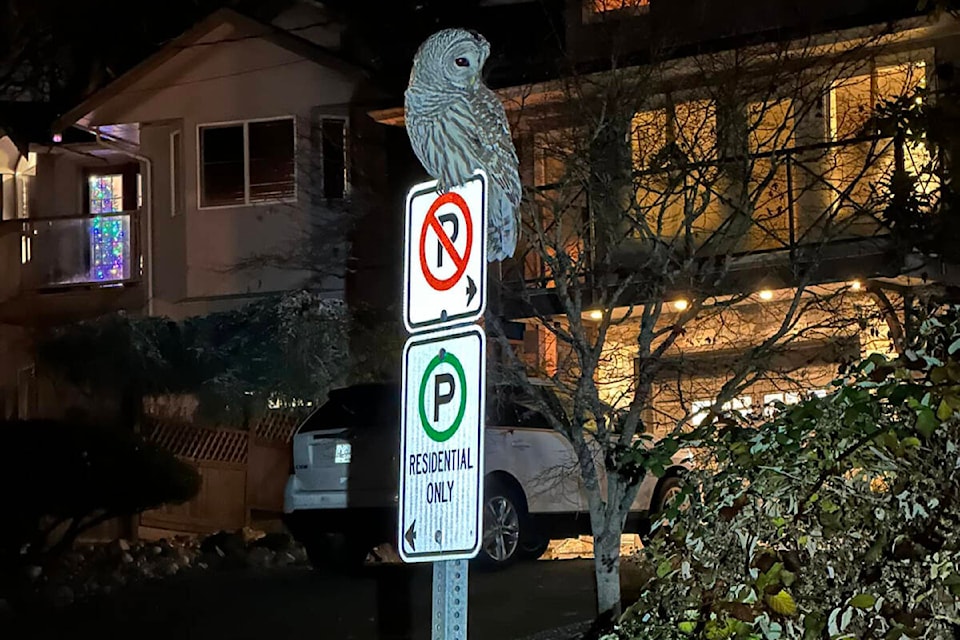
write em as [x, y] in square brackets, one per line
[334, 159]
[700, 408]
[329, 157]
[247, 163]
[109, 235]
[106, 193]
[853, 99]
[596, 8]
[175, 173]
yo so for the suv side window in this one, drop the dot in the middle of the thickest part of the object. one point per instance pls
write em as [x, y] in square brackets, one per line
[507, 413]
[361, 406]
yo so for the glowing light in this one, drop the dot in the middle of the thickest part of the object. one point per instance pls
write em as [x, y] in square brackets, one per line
[108, 234]
[855, 285]
[596, 314]
[57, 137]
[680, 304]
[766, 294]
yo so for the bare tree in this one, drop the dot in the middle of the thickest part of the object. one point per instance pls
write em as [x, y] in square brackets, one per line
[687, 241]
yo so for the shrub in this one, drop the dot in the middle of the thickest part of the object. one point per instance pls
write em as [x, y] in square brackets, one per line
[59, 479]
[838, 518]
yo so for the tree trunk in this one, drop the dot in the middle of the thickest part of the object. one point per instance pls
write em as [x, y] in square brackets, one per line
[606, 566]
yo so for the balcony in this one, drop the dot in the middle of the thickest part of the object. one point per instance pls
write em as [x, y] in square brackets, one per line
[63, 268]
[819, 204]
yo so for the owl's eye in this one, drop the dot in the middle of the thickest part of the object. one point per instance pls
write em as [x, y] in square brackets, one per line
[462, 62]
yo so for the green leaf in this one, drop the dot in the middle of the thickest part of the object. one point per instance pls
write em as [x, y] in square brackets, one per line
[664, 568]
[863, 601]
[944, 411]
[954, 346]
[939, 375]
[911, 442]
[687, 627]
[926, 422]
[782, 603]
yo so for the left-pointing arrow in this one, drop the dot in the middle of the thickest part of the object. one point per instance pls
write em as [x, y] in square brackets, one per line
[411, 535]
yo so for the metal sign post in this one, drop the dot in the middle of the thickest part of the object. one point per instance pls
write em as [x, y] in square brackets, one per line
[443, 388]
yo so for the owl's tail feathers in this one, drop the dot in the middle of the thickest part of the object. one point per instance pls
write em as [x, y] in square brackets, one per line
[502, 231]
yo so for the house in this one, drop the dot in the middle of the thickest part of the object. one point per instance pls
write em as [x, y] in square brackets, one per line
[754, 159]
[201, 179]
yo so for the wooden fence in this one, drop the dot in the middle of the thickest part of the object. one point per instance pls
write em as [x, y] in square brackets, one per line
[240, 471]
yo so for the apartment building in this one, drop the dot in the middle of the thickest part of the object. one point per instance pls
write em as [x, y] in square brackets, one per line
[732, 171]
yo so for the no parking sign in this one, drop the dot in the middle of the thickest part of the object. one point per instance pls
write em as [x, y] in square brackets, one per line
[445, 255]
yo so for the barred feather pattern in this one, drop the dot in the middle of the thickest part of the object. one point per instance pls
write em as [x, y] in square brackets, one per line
[456, 125]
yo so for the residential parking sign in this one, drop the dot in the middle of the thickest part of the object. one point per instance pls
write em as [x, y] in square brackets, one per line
[442, 445]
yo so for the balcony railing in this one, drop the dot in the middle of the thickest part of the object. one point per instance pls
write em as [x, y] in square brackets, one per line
[74, 251]
[791, 199]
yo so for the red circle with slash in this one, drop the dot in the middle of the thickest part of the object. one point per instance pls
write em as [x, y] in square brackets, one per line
[431, 221]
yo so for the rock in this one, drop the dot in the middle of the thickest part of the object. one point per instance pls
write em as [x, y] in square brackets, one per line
[260, 557]
[226, 543]
[73, 559]
[249, 534]
[183, 557]
[154, 550]
[209, 559]
[167, 567]
[118, 547]
[166, 549]
[299, 554]
[126, 558]
[33, 573]
[284, 559]
[275, 542]
[59, 595]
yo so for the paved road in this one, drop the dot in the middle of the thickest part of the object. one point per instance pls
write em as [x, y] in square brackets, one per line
[389, 602]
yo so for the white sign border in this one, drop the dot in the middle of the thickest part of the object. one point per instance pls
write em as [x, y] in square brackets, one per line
[427, 338]
[411, 237]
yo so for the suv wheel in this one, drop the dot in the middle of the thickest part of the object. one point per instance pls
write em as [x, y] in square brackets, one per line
[669, 489]
[503, 526]
[535, 547]
[666, 493]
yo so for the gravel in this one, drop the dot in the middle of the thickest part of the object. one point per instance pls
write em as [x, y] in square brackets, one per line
[89, 569]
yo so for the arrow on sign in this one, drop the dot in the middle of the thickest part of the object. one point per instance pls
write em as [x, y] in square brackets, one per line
[411, 535]
[471, 289]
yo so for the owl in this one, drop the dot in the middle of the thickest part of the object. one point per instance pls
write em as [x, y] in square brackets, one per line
[456, 125]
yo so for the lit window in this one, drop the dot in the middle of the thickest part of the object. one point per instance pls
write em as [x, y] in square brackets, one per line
[247, 163]
[605, 6]
[106, 193]
[700, 408]
[109, 235]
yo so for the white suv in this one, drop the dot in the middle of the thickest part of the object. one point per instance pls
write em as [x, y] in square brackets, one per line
[341, 498]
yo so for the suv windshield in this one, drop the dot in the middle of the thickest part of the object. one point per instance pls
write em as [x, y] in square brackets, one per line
[378, 405]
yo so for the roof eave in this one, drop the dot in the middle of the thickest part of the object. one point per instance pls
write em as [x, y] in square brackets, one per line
[280, 37]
